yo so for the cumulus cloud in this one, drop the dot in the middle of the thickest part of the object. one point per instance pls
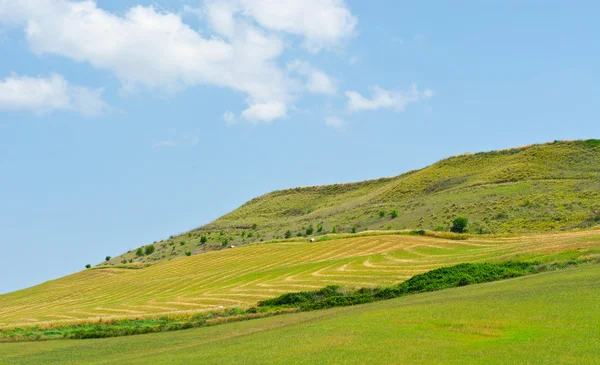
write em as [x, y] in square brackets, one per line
[323, 23]
[229, 117]
[334, 122]
[154, 49]
[382, 98]
[318, 82]
[162, 144]
[264, 112]
[45, 94]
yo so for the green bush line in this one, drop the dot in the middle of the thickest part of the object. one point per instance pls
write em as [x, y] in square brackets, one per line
[327, 297]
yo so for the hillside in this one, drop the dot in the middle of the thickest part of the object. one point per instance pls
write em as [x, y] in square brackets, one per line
[537, 188]
[517, 321]
[246, 275]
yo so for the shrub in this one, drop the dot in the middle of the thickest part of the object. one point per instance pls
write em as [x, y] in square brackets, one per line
[107, 258]
[224, 242]
[381, 213]
[203, 239]
[254, 226]
[140, 252]
[288, 234]
[88, 266]
[182, 243]
[188, 253]
[148, 250]
[459, 225]
[394, 213]
[299, 234]
[334, 229]
[419, 232]
[309, 230]
[353, 229]
[319, 227]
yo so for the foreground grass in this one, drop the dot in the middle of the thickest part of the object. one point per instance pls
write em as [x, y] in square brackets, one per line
[243, 276]
[549, 318]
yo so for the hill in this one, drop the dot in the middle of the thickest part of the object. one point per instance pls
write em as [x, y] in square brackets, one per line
[245, 275]
[537, 188]
[549, 318]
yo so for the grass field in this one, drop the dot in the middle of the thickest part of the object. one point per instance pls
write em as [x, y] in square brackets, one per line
[538, 188]
[248, 274]
[549, 318]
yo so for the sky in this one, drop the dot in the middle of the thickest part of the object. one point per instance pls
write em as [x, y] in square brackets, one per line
[125, 121]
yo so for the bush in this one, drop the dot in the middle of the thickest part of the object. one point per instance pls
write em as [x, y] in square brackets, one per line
[353, 229]
[254, 226]
[381, 213]
[394, 213]
[334, 229]
[107, 258]
[224, 242]
[319, 227]
[459, 225]
[309, 230]
[288, 234]
[148, 250]
[139, 252]
[182, 243]
[203, 239]
[88, 266]
[188, 253]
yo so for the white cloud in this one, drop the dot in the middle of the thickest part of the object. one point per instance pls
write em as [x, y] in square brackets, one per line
[323, 23]
[383, 98]
[335, 122]
[318, 82]
[229, 117]
[45, 94]
[154, 49]
[167, 143]
[266, 112]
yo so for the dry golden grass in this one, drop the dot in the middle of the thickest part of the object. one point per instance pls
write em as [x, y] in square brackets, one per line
[245, 275]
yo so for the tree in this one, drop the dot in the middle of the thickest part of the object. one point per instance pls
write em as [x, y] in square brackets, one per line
[88, 266]
[309, 230]
[394, 213]
[107, 258]
[148, 250]
[288, 234]
[140, 252]
[459, 225]
[203, 239]
[381, 213]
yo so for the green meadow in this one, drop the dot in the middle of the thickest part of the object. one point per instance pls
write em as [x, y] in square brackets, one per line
[532, 189]
[548, 318]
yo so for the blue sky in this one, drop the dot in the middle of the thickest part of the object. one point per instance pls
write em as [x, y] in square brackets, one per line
[123, 122]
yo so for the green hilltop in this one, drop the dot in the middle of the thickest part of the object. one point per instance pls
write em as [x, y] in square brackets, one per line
[536, 188]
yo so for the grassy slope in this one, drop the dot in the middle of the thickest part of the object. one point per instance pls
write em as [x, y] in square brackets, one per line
[537, 188]
[549, 318]
[245, 275]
